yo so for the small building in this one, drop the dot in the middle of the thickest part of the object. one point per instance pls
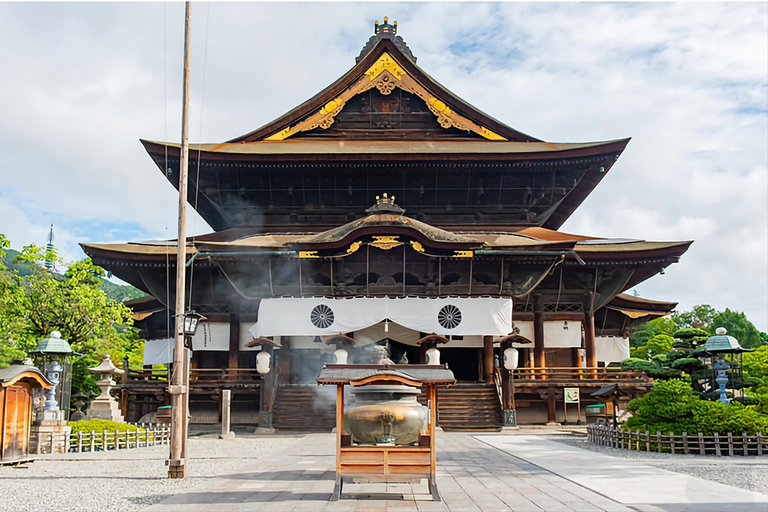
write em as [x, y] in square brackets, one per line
[17, 385]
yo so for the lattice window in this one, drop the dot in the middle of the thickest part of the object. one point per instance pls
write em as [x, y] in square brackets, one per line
[563, 307]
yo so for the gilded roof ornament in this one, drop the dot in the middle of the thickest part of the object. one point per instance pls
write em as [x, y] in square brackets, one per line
[385, 31]
[385, 204]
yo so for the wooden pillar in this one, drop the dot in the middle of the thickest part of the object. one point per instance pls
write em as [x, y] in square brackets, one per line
[589, 338]
[539, 360]
[234, 341]
[575, 358]
[487, 375]
[284, 366]
[551, 406]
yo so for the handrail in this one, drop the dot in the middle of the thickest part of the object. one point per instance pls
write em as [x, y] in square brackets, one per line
[497, 380]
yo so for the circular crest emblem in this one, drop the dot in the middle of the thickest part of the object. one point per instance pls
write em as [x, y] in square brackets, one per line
[321, 316]
[449, 317]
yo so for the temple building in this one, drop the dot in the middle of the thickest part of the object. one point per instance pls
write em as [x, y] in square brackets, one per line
[386, 211]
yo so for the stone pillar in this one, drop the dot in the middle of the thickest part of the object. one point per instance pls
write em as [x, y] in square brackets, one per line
[226, 415]
[234, 341]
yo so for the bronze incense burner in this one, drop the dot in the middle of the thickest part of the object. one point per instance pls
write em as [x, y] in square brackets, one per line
[386, 415]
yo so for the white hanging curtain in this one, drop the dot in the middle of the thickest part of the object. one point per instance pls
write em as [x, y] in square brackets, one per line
[321, 316]
[158, 351]
[211, 336]
[394, 331]
[562, 334]
[611, 349]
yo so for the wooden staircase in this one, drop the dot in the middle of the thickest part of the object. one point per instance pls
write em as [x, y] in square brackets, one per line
[304, 408]
[469, 407]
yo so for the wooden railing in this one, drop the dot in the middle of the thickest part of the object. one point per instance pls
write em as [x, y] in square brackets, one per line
[577, 374]
[716, 444]
[200, 375]
[224, 375]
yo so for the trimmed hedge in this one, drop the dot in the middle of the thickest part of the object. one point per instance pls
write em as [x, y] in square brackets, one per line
[101, 426]
[672, 406]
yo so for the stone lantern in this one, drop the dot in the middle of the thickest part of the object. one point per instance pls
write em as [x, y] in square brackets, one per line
[104, 407]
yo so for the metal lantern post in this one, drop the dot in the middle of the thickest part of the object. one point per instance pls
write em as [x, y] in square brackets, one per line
[50, 431]
[719, 345]
[53, 357]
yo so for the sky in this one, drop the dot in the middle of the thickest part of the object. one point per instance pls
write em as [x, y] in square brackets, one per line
[80, 84]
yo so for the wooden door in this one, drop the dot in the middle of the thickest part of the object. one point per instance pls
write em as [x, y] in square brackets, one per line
[16, 428]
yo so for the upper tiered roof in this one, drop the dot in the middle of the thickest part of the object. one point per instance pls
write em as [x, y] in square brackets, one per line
[386, 124]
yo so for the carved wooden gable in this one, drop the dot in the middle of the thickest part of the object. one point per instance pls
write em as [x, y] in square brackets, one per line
[386, 102]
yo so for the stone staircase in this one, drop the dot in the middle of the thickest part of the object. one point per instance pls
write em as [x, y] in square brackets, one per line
[304, 408]
[469, 407]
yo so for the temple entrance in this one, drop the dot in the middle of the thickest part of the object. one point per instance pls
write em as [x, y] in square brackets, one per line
[463, 362]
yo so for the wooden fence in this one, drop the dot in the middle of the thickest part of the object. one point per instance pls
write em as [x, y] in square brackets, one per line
[717, 444]
[145, 435]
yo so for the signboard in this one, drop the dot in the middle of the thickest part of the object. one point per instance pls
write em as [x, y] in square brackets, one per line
[571, 395]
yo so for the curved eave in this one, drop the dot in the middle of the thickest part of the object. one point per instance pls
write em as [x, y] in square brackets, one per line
[632, 250]
[624, 302]
[357, 150]
[340, 85]
[31, 375]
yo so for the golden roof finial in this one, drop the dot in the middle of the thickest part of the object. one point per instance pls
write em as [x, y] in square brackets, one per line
[386, 19]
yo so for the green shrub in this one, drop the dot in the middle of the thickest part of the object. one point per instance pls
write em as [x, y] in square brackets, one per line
[100, 426]
[711, 417]
[651, 368]
[672, 406]
[690, 333]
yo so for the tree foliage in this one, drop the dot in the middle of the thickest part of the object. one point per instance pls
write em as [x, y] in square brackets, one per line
[36, 301]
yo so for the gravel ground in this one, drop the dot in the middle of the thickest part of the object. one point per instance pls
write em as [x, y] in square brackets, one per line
[127, 480]
[745, 472]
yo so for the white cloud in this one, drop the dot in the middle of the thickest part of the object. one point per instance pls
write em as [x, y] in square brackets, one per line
[689, 83]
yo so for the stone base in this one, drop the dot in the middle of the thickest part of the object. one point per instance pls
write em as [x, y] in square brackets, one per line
[265, 419]
[509, 418]
[104, 409]
[50, 436]
[230, 436]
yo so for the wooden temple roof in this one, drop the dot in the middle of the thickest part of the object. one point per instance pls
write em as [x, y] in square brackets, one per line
[386, 66]
[442, 149]
[538, 239]
[345, 135]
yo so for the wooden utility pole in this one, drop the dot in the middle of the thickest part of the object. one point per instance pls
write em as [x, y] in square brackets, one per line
[179, 387]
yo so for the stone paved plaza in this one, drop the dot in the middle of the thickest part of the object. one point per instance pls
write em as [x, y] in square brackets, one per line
[525, 471]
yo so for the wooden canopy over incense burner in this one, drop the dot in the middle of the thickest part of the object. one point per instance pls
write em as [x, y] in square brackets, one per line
[386, 463]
